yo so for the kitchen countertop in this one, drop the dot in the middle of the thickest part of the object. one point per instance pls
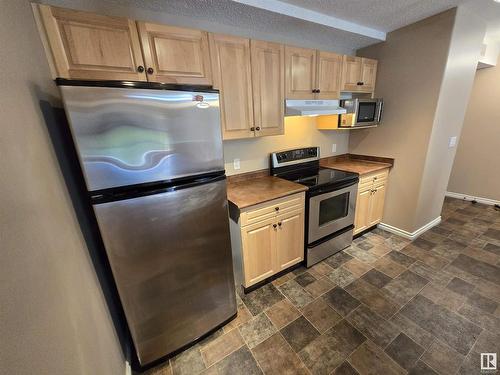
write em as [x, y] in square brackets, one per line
[246, 193]
[357, 163]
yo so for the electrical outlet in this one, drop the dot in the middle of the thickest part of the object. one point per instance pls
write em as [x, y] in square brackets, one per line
[453, 142]
[334, 147]
[236, 164]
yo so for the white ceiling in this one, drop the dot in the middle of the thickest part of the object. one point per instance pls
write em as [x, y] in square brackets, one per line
[389, 15]
[338, 25]
[384, 15]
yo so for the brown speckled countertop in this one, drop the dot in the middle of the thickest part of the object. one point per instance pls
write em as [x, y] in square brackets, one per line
[246, 193]
[357, 163]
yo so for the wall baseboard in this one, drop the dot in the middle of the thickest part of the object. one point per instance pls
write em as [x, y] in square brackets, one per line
[410, 235]
[466, 197]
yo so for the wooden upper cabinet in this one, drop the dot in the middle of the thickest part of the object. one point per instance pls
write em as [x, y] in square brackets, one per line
[268, 86]
[300, 68]
[329, 74]
[358, 74]
[351, 73]
[232, 76]
[368, 74]
[83, 45]
[175, 54]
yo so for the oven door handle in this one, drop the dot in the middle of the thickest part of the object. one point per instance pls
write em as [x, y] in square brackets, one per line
[334, 188]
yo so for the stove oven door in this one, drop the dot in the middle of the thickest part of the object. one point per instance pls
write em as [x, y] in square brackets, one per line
[331, 211]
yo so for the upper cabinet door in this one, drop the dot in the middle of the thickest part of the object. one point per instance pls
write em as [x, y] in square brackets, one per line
[351, 73]
[83, 45]
[175, 54]
[368, 74]
[232, 76]
[329, 75]
[268, 86]
[300, 67]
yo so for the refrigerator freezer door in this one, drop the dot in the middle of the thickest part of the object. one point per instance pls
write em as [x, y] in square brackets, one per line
[170, 254]
[127, 136]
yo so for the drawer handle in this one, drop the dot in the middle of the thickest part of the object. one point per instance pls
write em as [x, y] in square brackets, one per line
[274, 226]
[277, 208]
[375, 177]
[279, 224]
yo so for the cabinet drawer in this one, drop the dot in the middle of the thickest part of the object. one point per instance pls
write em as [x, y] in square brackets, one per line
[378, 176]
[271, 209]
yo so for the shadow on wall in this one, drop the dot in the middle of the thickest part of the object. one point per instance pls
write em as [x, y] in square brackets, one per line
[60, 135]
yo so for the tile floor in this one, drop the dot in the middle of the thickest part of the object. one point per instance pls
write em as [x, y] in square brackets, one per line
[383, 306]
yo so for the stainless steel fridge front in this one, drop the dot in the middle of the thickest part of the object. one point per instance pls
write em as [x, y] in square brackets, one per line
[153, 164]
[171, 258]
[127, 136]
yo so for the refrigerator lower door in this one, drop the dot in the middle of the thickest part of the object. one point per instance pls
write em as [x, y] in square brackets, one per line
[170, 254]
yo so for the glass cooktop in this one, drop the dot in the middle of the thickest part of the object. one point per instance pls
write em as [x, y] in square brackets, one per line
[318, 176]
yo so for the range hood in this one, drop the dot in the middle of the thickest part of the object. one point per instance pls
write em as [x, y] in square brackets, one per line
[313, 107]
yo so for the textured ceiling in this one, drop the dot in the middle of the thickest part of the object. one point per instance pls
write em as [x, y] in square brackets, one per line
[389, 15]
[228, 17]
[384, 15]
[231, 17]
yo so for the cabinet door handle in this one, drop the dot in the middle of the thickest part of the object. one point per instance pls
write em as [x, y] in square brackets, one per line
[150, 71]
[274, 226]
[359, 83]
[276, 208]
[252, 128]
[279, 224]
[257, 128]
[318, 91]
[140, 69]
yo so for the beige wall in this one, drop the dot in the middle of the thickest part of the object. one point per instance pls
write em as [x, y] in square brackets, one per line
[299, 132]
[476, 165]
[465, 47]
[53, 317]
[411, 68]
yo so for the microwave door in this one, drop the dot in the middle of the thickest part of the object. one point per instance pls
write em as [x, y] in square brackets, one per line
[367, 113]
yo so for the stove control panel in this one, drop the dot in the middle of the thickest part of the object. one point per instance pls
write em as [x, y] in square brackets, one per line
[295, 156]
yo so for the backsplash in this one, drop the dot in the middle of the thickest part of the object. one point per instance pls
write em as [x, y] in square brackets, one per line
[299, 132]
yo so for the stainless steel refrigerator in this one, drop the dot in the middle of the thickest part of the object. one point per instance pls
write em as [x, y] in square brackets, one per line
[153, 164]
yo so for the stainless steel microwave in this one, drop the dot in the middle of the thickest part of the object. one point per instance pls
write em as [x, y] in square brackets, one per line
[360, 112]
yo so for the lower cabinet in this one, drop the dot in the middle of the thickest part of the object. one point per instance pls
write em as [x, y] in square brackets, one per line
[290, 239]
[370, 200]
[259, 251]
[268, 238]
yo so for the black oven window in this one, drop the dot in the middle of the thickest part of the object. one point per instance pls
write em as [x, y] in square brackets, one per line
[366, 112]
[333, 208]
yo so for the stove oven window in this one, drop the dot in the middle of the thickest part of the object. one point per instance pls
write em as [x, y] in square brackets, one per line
[333, 208]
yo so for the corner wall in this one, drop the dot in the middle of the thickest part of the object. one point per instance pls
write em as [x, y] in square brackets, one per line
[425, 76]
[476, 165]
[464, 51]
[411, 68]
[53, 316]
